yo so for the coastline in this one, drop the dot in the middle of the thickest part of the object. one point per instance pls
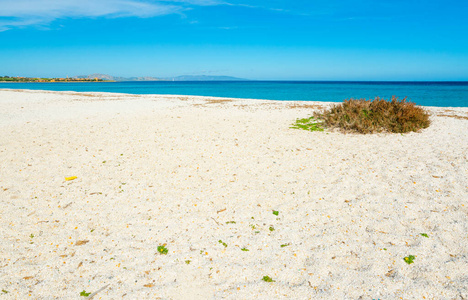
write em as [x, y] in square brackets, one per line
[190, 171]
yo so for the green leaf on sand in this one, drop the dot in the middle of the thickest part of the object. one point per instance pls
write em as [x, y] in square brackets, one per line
[409, 259]
[267, 279]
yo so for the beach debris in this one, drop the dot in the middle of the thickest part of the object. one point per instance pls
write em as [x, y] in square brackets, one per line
[5, 291]
[409, 259]
[224, 209]
[424, 235]
[149, 285]
[215, 221]
[82, 242]
[70, 178]
[96, 292]
[391, 273]
[188, 261]
[162, 249]
[267, 279]
[28, 277]
[223, 243]
[231, 222]
[275, 212]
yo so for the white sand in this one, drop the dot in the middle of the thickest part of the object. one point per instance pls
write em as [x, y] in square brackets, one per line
[173, 170]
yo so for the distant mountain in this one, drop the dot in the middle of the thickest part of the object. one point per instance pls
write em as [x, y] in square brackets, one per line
[178, 78]
[116, 78]
[205, 78]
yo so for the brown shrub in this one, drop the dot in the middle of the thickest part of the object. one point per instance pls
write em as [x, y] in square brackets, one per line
[378, 115]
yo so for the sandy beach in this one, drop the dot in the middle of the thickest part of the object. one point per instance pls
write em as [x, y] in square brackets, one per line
[232, 193]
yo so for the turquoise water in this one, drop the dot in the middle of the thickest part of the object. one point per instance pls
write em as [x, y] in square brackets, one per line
[443, 94]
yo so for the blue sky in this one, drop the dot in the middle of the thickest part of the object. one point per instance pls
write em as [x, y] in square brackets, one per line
[255, 39]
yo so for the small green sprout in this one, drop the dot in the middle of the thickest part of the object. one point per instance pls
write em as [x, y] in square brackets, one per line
[104, 162]
[231, 222]
[223, 243]
[271, 228]
[252, 226]
[162, 249]
[309, 124]
[385, 249]
[267, 279]
[31, 236]
[285, 245]
[245, 249]
[5, 291]
[92, 230]
[275, 212]
[188, 261]
[84, 294]
[424, 235]
[409, 259]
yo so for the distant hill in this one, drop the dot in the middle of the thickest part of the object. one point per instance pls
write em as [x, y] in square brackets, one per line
[116, 78]
[178, 78]
[205, 78]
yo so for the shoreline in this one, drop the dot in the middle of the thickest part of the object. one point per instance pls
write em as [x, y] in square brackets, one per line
[205, 176]
[462, 108]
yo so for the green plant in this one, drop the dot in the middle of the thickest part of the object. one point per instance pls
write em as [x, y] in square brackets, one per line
[31, 236]
[245, 249]
[275, 212]
[5, 291]
[378, 115]
[310, 124]
[409, 259]
[267, 279]
[162, 250]
[284, 245]
[271, 228]
[424, 235]
[231, 222]
[222, 243]
[84, 294]
[188, 261]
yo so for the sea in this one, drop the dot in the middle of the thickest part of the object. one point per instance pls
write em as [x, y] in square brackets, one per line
[442, 94]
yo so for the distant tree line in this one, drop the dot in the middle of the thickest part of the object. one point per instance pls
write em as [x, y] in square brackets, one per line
[32, 79]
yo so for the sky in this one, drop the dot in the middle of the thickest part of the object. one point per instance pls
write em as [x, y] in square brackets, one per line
[253, 39]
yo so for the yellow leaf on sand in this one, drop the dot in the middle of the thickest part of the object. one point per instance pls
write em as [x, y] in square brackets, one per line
[70, 178]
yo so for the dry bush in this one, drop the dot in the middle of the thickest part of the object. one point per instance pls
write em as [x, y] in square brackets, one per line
[378, 115]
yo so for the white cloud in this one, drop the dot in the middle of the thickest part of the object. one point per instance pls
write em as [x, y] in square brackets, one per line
[19, 13]
[22, 13]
